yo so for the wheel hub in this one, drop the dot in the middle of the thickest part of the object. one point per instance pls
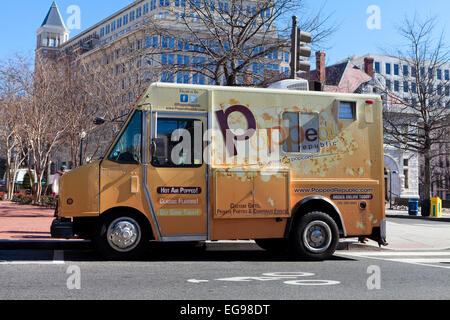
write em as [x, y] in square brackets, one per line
[123, 234]
[317, 237]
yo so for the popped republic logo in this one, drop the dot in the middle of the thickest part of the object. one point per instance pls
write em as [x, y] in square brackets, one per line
[307, 138]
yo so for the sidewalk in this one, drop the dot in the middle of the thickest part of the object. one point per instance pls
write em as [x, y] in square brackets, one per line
[403, 214]
[19, 222]
[29, 227]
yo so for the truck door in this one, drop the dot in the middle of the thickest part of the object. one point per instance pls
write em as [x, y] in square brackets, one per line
[121, 169]
[177, 176]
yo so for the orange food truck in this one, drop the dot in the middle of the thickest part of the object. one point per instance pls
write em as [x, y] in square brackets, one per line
[293, 170]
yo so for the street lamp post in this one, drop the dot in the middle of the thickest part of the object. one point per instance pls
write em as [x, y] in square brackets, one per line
[83, 136]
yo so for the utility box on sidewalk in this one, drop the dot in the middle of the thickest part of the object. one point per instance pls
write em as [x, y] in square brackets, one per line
[413, 207]
[436, 207]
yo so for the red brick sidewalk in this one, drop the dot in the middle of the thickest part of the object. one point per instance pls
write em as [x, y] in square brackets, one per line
[19, 222]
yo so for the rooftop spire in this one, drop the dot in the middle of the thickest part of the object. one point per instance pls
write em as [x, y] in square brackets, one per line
[53, 17]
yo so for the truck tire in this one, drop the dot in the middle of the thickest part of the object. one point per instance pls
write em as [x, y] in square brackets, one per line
[315, 237]
[122, 236]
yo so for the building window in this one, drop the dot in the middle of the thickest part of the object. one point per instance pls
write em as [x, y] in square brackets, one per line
[396, 69]
[413, 72]
[422, 72]
[388, 68]
[167, 77]
[405, 87]
[377, 67]
[396, 86]
[164, 58]
[439, 74]
[388, 84]
[447, 75]
[406, 174]
[164, 3]
[405, 71]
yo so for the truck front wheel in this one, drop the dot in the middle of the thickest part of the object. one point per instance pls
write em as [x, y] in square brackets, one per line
[121, 236]
[315, 237]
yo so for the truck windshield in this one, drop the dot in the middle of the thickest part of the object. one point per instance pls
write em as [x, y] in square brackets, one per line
[128, 149]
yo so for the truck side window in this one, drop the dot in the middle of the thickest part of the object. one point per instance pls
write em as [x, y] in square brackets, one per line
[301, 132]
[347, 110]
[128, 148]
[179, 143]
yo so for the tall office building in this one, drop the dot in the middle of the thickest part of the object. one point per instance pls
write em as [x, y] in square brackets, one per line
[155, 40]
[161, 40]
[398, 76]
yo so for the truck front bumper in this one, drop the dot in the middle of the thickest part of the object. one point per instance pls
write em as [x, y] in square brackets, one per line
[62, 229]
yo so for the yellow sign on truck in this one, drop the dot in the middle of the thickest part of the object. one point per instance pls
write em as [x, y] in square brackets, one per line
[290, 169]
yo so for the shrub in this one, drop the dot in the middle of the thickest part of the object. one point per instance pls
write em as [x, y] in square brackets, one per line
[27, 200]
[28, 180]
[23, 199]
[17, 198]
[49, 201]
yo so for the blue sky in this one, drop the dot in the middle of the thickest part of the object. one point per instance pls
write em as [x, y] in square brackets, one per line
[18, 23]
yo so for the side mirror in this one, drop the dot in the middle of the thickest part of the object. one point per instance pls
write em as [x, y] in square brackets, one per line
[153, 148]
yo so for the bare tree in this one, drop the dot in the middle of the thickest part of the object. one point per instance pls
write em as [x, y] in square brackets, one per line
[15, 77]
[232, 42]
[43, 118]
[417, 114]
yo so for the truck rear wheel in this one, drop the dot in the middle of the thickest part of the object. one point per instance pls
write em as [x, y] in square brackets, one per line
[315, 237]
[121, 236]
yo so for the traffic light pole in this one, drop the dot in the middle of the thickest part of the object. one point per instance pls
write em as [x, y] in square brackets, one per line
[294, 46]
[299, 50]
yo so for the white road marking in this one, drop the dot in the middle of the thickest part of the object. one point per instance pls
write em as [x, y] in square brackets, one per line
[422, 258]
[58, 259]
[291, 277]
[197, 281]
[397, 253]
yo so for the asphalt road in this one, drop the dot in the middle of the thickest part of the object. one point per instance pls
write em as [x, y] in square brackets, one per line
[236, 272]
[224, 275]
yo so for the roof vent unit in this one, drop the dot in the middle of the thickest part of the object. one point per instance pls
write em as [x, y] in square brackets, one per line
[299, 85]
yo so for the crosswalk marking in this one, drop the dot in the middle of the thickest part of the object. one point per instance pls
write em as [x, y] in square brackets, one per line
[399, 253]
[436, 259]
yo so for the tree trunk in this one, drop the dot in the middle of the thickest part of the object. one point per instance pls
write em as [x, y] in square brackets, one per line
[427, 176]
[426, 201]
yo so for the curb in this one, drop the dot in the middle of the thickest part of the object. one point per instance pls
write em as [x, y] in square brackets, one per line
[210, 246]
[44, 245]
[418, 218]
